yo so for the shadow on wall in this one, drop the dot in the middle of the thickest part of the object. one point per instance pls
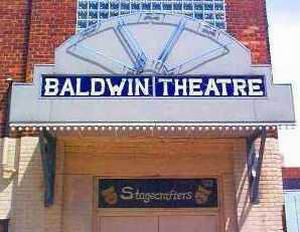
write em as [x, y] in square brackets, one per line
[8, 180]
[243, 199]
[28, 211]
[267, 215]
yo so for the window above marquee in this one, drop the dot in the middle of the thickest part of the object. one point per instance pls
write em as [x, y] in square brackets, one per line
[90, 12]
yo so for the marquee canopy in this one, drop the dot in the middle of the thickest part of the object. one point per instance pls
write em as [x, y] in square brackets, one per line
[156, 46]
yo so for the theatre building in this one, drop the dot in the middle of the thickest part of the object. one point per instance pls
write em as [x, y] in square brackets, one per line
[153, 116]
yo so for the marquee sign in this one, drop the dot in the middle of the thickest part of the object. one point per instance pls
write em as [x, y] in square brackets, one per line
[158, 193]
[151, 69]
[152, 86]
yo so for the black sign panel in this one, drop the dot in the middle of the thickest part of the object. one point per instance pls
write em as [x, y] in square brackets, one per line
[158, 193]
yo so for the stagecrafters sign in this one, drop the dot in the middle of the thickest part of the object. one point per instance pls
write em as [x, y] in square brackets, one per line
[57, 86]
[158, 193]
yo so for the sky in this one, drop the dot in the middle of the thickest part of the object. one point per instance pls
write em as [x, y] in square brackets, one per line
[284, 28]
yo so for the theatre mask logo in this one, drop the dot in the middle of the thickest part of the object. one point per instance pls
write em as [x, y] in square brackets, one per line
[202, 195]
[158, 193]
[110, 195]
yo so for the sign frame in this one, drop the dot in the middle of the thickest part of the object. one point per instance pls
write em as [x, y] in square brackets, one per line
[211, 206]
[153, 94]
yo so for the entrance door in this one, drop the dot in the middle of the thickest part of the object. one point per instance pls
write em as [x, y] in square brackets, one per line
[158, 224]
[128, 224]
[187, 224]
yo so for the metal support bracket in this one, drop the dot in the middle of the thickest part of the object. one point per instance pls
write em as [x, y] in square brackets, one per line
[255, 159]
[48, 153]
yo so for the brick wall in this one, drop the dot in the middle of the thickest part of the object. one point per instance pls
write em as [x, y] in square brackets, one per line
[8, 164]
[266, 216]
[95, 157]
[5, 189]
[291, 173]
[52, 22]
[28, 213]
[13, 46]
[195, 157]
[247, 21]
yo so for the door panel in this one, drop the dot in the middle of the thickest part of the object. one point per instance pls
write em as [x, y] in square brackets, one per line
[187, 224]
[158, 224]
[128, 224]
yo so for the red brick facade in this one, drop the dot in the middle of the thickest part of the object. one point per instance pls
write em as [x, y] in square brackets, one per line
[247, 22]
[14, 17]
[31, 30]
[291, 173]
[52, 22]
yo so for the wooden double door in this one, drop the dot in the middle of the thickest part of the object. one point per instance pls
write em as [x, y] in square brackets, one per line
[158, 224]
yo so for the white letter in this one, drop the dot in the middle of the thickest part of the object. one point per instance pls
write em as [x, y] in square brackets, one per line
[116, 90]
[67, 87]
[239, 86]
[195, 87]
[130, 87]
[128, 191]
[224, 83]
[255, 87]
[78, 88]
[94, 81]
[139, 87]
[182, 87]
[51, 87]
[212, 86]
[165, 85]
